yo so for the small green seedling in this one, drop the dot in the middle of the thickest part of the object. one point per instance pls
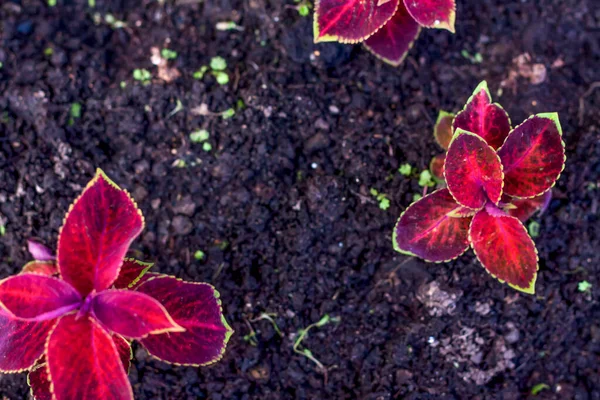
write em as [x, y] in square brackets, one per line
[534, 229]
[51, 3]
[228, 113]
[206, 146]
[584, 286]
[142, 75]
[2, 229]
[303, 7]
[228, 26]
[302, 333]
[218, 64]
[113, 22]
[199, 255]
[75, 113]
[406, 169]
[199, 74]
[168, 54]
[199, 136]
[48, 51]
[269, 317]
[384, 202]
[538, 388]
[426, 179]
[476, 58]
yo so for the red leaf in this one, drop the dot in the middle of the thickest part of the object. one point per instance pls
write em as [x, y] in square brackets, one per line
[443, 130]
[38, 376]
[503, 246]
[197, 308]
[437, 167]
[132, 314]
[350, 21]
[483, 118]
[131, 272]
[84, 362]
[392, 42]
[39, 251]
[98, 230]
[473, 170]
[38, 381]
[37, 297]
[533, 156]
[433, 13]
[21, 342]
[432, 228]
[47, 268]
[523, 209]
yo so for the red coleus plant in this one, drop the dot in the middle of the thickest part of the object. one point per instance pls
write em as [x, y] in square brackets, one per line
[388, 28]
[69, 319]
[496, 178]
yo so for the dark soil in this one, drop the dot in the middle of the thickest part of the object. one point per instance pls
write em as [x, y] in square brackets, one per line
[281, 205]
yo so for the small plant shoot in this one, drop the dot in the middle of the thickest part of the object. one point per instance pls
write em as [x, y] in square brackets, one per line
[495, 177]
[69, 319]
[388, 28]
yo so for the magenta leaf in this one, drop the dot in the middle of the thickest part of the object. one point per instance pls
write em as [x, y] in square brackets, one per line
[39, 251]
[98, 230]
[523, 209]
[392, 42]
[197, 308]
[132, 314]
[473, 171]
[84, 362]
[350, 21]
[37, 297]
[433, 13]
[533, 156]
[434, 228]
[21, 342]
[483, 118]
[504, 248]
[131, 273]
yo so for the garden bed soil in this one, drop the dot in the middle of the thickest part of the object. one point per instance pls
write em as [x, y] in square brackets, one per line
[281, 204]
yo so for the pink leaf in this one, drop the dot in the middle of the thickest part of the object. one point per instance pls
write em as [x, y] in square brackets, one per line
[433, 13]
[197, 308]
[39, 251]
[132, 314]
[37, 297]
[533, 156]
[21, 342]
[473, 171]
[392, 42]
[483, 118]
[523, 209]
[504, 248]
[98, 230]
[350, 21]
[84, 363]
[433, 228]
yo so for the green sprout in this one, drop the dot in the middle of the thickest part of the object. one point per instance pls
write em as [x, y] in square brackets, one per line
[584, 286]
[199, 255]
[199, 136]
[384, 202]
[180, 163]
[199, 74]
[477, 58]
[534, 229]
[48, 51]
[1, 64]
[228, 26]
[405, 169]
[51, 3]
[92, 3]
[230, 112]
[206, 146]
[538, 388]
[302, 333]
[221, 77]
[426, 179]
[142, 75]
[417, 196]
[303, 10]
[123, 84]
[218, 64]
[2, 229]
[269, 317]
[75, 113]
[168, 54]
[113, 22]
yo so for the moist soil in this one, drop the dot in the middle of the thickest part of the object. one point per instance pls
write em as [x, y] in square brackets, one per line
[281, 204]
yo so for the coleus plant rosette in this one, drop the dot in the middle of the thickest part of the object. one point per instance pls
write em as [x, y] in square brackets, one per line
[496, 178]
[69, 319]
[388, 28]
